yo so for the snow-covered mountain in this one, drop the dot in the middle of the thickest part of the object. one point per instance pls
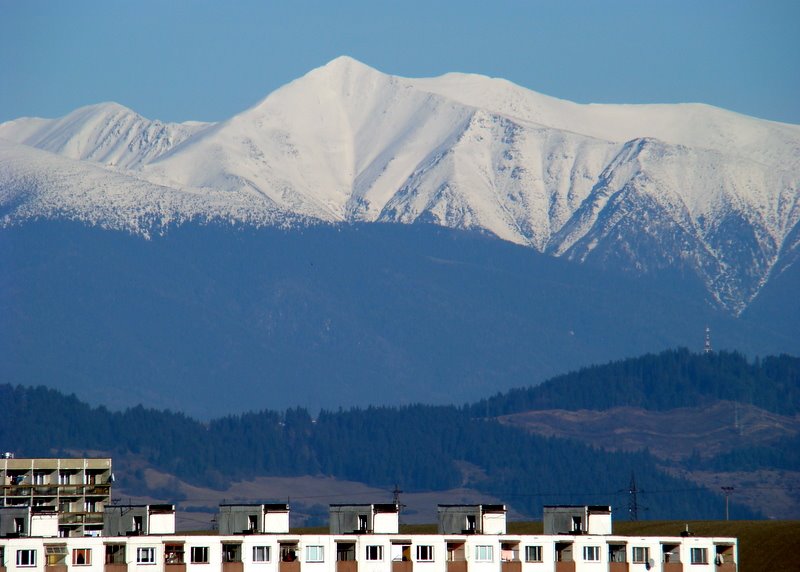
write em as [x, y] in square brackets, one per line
[685, 187]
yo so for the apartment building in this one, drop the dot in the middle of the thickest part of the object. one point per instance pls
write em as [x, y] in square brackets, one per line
[76, 490]
[279, 550]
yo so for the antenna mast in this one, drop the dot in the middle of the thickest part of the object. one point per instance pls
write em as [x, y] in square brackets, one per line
[633, 501]
[707, 345]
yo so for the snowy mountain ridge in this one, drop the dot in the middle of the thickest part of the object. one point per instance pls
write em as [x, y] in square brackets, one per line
[643, 187]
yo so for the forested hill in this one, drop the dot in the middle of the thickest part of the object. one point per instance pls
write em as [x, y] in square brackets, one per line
[671, 379]
[420, 448]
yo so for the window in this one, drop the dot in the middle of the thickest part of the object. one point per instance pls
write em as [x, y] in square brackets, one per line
[641, 554]
[591, 553]
[425, 553]
[199, 554]
[26, 558]
[39, 478]
[471, 524]
[82, 556]
[374, 552]
[616, 553]
[261, 554]
[484, 553]
[699, 555]
[55, 554]
[252, 522]
[173, 554]
[314, 554]
[115, 554]
[63, 478]
[90, 506]
[533, 554]
[232, 552]
[146, 555]
[362, 522]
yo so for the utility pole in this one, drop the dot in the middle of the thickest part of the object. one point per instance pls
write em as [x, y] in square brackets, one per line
[728, 491]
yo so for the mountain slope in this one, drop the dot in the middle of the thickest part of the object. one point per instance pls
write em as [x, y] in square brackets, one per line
[686, 188]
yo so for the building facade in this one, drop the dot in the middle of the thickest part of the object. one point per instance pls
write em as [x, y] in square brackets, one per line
[77, 490]
[284, 551]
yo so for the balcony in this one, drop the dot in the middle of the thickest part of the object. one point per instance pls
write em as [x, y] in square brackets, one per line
[117, 567]
[344, 565]
[55, 568]
[67, 518]
[457, 566]
[402, 566]
[233, 567]
[565, 566]
[672, 567]
[618, 567]
[511, 566]
[287, 566]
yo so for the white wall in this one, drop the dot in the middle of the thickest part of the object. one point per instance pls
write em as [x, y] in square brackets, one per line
[276, 522]
[162, 523]
[494, 523]
[385, 523]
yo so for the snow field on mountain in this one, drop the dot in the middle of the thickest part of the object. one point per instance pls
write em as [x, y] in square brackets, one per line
[643, 186]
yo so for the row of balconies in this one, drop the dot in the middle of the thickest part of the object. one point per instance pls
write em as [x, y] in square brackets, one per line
[55, 490]
[352, 566]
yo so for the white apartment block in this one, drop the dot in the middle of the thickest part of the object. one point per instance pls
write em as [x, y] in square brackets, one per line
[374, 545]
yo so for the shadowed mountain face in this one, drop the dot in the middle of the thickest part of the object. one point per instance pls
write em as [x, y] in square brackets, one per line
[688, 188]
[209, 319]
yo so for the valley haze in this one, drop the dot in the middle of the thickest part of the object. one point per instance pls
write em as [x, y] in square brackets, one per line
[360, 238]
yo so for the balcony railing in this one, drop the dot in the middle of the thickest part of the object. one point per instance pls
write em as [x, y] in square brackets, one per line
[344, 566]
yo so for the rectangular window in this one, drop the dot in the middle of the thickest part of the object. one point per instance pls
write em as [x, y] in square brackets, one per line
[641, 554]
[232, 552]
[533, 554]
[314, 554]
[484, 553]
[82, 556]
[374, 552]
[591, 553]
[39, 478]
[199, 554]
[115, 554]
[146, 555]
[173, 554]
[55, 555]
[261, 554]
[425, 553]
[26, 558]
[699, 555]
[63, 478]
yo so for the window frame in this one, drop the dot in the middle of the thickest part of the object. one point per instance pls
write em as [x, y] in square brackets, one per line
[484, 553]
[378, 552]
[591, 554]
[203, 551]
[315, 553]
[699, 550]
[87, 556]
[425, 553]
[265, 553]
[533, 553]
[30, 560]
[146, 555]
[645, 550]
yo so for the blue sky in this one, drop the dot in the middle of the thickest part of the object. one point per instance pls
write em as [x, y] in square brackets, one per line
[177, 60]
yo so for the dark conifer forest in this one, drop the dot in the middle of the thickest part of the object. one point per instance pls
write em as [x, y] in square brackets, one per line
[421, 447]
